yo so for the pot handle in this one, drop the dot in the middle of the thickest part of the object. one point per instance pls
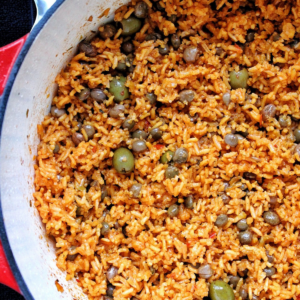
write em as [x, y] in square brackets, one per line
[8, 56]
[6, 275]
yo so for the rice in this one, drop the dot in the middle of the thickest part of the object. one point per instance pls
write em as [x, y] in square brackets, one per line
[157, 255]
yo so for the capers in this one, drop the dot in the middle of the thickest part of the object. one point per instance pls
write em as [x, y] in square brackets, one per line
[191, 54]
[72, 257]
[245, 237]
[57, 112]
[186, 96]
[56, 149]
[189, 202]
[231, 139]
[128, 124]
[268, 112]
[108, 31]
[139, 134]
[156, 133]
[271, 218]
[175, 41]
[242, 225]
[167, 157]
[297, 135]
[127, 47]
[123, 161]
[110, 290]
[239, 79]
[98, 95]
[111, 273]
[181, 155]
[152, 98]
[139, 146]
[88, 49]
[234, 280]
[270, 271]
[136, 190]
[221, 220]
[118, 89]
[105, 228]
[84, 94]
[77, 138]
[116, 111]
[220, 290]
[173, 210]
[226, 98]
[90, 130]
[131, 25]
[141, 10]
[205, 271]
[171, 172]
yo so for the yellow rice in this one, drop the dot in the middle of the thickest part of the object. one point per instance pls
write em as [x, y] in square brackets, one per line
[171, 246]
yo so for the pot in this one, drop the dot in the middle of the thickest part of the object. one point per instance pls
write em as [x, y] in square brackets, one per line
[25, 102]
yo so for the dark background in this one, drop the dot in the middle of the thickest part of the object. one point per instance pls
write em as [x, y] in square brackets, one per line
[16, 19]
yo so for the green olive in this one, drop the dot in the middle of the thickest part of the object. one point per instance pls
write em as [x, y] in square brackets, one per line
[131, 25]
[171, 172]
[118, 89]
[166, 157]
[123, 161]
[220, 290]
[239, 79]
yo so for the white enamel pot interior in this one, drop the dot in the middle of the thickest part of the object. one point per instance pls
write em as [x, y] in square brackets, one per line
[27, 99]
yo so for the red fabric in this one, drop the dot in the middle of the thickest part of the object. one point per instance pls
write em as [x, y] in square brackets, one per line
[6, 275]
[8, 56]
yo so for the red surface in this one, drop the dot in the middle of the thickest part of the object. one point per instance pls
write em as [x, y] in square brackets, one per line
[6, 275]
[8, 56]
